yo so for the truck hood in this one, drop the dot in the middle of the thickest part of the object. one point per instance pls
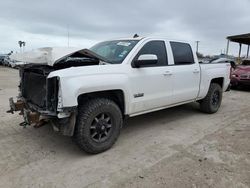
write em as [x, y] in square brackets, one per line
[83, 71]
[51, 55]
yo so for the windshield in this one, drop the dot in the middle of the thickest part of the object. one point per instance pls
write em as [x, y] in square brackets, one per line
[114, 51]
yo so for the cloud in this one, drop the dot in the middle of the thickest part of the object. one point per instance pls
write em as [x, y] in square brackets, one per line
[46, 23]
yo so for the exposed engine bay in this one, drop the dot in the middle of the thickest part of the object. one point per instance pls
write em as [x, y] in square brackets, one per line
[38, 97]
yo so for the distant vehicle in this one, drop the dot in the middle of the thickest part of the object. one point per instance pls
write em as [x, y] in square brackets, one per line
[2, 57]
[241, 74]
[6, 61]
[224, 60]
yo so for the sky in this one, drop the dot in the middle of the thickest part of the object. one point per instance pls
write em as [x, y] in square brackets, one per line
[49, 22]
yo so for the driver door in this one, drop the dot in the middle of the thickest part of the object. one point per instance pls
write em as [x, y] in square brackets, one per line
[151, 84]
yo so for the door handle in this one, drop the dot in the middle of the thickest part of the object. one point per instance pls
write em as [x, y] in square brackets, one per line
[167, 73]
[196, 71]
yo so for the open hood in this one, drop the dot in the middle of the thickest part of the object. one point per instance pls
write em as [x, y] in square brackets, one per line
[51, 55]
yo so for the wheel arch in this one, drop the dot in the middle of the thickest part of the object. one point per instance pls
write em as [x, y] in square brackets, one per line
[219, 80]
[116, 95]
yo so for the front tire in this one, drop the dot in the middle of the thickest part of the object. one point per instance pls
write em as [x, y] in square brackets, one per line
[211, 103]
[98, 125]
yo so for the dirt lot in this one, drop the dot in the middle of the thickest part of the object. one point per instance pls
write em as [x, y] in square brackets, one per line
[177, 147]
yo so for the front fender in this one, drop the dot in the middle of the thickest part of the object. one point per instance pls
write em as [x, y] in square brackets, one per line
[72, 87]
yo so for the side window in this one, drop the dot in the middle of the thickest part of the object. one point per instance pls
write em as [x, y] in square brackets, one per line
[157, 48]
[182, 53]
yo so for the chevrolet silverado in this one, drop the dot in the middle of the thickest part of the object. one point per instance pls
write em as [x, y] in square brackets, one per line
[87, 93]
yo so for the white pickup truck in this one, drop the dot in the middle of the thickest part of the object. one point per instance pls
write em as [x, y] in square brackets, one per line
[87, 94]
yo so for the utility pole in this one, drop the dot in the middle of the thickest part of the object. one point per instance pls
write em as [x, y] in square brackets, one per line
[24, 43]
[248, 50]
[20, 45]
[197, 46]
[228, 41]
[68, 33]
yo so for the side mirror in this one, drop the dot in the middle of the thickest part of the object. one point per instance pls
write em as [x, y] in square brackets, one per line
[145, 59]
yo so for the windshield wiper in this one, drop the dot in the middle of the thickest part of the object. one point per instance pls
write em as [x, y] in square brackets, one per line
[80, 59]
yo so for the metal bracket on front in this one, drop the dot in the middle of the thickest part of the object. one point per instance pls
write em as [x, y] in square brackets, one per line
[12, 106]
[24, 124]
[15, 106]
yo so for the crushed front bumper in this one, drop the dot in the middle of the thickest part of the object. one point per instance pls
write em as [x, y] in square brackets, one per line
[15, 106]
[37, 118]
[30, 117]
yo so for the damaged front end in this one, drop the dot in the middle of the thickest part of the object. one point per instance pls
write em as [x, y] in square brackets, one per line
[39, 99]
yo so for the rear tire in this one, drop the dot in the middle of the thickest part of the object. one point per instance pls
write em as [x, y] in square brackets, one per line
[98, 125]
[211, 103]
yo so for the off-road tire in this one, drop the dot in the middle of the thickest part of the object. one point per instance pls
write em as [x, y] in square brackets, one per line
[86, 115]
[206, 104]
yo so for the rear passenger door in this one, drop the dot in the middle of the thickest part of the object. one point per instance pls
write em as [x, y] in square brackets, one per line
[186, 75]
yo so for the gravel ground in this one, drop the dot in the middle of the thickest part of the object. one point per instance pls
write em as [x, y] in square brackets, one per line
[176, 147]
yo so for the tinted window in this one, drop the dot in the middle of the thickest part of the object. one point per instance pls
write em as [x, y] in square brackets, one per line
[182, 53]
[157, 48]
[114, 51]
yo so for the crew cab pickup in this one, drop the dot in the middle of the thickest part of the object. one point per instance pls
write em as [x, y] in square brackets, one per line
[87, 93]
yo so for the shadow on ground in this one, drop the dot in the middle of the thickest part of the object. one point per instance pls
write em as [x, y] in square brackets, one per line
[135, 125]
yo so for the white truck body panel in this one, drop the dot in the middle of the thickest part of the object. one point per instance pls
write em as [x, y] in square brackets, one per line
[210, 71]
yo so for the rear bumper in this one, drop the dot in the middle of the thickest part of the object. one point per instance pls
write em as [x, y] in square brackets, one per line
[235, 82]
